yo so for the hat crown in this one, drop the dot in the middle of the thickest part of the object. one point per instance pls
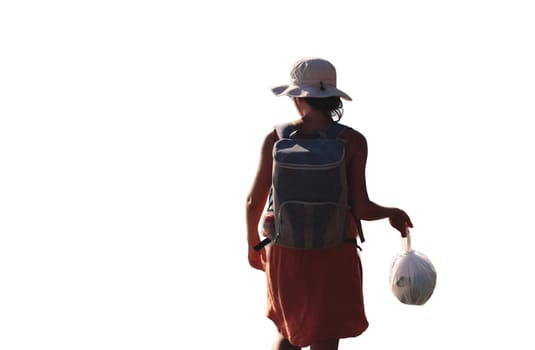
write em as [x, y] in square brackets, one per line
[311, 77]
[313, 72]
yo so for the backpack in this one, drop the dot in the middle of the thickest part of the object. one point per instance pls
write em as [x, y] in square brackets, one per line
[309, 194]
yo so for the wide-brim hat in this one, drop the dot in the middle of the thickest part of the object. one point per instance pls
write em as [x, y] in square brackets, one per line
[311, 77]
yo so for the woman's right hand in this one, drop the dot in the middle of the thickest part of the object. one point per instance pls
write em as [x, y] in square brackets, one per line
[257, 259]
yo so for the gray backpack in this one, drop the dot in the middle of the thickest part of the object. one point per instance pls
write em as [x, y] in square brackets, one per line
[309, 196]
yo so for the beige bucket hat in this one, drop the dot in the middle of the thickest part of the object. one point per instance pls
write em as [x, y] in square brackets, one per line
[311, 77]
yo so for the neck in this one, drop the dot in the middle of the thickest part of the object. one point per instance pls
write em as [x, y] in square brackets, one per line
[313, 121]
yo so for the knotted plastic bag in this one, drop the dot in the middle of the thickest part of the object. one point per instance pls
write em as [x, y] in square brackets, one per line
[412, 275]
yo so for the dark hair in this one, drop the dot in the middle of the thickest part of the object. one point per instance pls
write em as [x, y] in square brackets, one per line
[332, 106]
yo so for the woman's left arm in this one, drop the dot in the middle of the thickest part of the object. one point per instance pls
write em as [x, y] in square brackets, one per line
[361, 205]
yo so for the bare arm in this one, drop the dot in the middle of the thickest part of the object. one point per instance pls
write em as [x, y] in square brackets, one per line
[361, 205]
[256, 201]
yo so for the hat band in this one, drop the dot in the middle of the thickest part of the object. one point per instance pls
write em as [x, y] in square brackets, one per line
[313, 82]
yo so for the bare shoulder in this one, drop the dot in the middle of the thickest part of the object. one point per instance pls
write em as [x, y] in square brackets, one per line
[269, 141]
[270, 138]
[355, 139]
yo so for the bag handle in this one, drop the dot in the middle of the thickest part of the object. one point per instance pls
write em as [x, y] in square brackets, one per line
[406, 241]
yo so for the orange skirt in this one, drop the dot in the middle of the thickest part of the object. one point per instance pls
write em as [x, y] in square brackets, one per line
[315, 294]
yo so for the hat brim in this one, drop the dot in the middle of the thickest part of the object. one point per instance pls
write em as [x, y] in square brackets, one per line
[309, 91]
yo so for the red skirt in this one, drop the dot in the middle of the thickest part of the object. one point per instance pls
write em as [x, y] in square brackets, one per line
[315, 294]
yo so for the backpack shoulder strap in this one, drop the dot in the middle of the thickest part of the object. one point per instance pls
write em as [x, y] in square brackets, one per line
[334, 130]
[284, 130]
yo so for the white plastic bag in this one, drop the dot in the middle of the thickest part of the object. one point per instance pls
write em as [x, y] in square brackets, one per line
[412, 275]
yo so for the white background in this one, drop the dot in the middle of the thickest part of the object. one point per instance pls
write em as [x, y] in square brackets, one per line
[130, 133]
